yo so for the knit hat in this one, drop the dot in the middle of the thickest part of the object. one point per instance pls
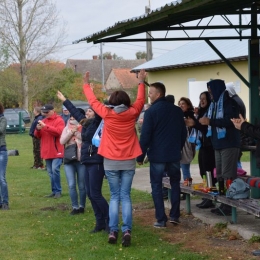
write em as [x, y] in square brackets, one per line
[82, 111]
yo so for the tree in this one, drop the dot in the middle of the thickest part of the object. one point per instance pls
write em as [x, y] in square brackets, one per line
[32, 30]
[140, 55]
[4, 57]
[109, 56]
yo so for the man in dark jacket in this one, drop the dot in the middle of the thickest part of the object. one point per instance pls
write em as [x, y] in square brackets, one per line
[162, 138]
[224, 136]
[38, 162]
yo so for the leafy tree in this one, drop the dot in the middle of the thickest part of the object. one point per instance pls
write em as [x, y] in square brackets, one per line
[141, 55]
[29, 29]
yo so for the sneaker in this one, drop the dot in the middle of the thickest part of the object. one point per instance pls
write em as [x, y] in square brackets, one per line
[33, 167]
[74, 212]
[175, 221]
[187, 182]
[112, 238]
[126, 239]
[57, 196]
[81, 210]
[160, 224]
[49, 196]
[5, 207]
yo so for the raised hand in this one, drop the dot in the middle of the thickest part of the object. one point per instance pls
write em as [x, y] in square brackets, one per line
[142, 75]
[60, 96]
[86, 78]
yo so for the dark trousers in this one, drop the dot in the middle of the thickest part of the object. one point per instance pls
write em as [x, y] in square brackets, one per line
[156, 175]
[94, 179]
[38, 162]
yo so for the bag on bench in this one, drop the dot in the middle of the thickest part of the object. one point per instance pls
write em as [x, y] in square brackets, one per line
[238, 190]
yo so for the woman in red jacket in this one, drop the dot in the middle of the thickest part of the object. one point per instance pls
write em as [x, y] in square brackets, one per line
[119, 146]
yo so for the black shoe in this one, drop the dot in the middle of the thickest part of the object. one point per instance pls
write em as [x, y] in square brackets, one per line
[112, 238]
[225, 211]
[160, 224]
[175, 221]
[74, 212]
[81, 210]
[97, 229]
[206, 204]
[200, 203]
[126, 239]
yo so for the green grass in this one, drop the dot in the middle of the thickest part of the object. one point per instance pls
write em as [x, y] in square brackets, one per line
[41, 228]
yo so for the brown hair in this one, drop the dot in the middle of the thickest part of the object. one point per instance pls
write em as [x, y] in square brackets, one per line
[187, 101]
[119, 97]
[1, 108]
[159, 87]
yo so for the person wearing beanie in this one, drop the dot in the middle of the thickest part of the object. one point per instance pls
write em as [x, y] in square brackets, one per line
[92, 161]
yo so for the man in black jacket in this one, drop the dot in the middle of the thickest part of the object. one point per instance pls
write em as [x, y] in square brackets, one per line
[162, 138]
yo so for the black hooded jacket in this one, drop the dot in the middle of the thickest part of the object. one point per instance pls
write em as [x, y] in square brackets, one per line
[231, 110]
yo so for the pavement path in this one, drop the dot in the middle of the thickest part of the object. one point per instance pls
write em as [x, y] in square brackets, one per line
[247, 225]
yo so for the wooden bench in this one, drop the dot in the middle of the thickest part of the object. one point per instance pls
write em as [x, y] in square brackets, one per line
[251, 206]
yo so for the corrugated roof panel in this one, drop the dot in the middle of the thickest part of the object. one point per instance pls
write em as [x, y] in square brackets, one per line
[200, 51]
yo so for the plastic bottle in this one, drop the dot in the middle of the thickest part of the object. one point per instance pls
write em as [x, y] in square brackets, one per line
[204, 181]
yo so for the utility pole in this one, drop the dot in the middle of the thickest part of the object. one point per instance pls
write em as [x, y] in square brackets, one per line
[149, 51]
[102, 66]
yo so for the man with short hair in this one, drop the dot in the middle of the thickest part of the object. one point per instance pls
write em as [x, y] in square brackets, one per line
[49, 131]
[162, 138]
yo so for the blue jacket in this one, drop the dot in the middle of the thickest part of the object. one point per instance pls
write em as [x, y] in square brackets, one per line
[88, 151]
[231, 110]
[34, 124]
[163, 132]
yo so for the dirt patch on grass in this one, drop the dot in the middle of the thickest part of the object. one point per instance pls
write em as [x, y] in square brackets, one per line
[217, 242]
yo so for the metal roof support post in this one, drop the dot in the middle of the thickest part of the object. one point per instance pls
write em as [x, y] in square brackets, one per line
[254, 98]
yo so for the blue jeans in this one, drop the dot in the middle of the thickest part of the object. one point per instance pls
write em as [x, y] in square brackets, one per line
[156, 175]
[3, 183]
[53, 169]
[185, 170]
[94, 179]
[75, 174]
[120, 182]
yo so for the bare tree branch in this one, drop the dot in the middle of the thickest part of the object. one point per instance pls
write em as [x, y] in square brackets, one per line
[32, 30]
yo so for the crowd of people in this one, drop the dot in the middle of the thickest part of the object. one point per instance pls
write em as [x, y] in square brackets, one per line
[169, 138]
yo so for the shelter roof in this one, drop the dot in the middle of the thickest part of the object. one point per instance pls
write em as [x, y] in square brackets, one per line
[172, 16]
[196, 53]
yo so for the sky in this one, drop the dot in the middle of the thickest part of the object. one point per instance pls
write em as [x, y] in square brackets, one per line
[85, 17]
